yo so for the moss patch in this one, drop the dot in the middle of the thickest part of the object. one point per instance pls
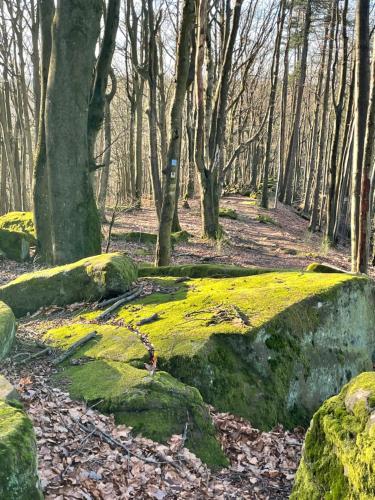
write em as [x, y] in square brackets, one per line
[156, 407]
[315, 267]
[339, 454]
[268, 347]
[150, 238]
[21, 222]
[228, 213]
[88, 279]
[266, 219]
[7, 329]
[18, 462]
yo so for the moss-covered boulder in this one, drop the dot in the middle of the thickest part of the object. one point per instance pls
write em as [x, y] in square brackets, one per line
[201, 270]
[338, 460]
[7, 329]
[14, 245]
[156, 406]
[88, 279]
[316, 267]
[21, 222]
[270, 348]
[18, 455]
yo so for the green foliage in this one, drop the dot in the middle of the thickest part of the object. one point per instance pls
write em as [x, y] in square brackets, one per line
[339, 454]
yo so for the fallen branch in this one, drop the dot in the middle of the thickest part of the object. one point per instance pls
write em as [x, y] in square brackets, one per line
[74, 347]
[108, 302]
[150, 319]
[35, 355]
[93, 430]
[119, 303]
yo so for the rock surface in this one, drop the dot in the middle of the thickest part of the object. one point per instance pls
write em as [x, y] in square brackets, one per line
[270, 348]
[7, 329]
[14, 245]
[338, 460]
[18, 455]
[88, 279]
[21, 222]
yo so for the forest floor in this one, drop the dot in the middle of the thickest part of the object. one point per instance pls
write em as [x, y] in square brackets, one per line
[84, 455]
[263, 238]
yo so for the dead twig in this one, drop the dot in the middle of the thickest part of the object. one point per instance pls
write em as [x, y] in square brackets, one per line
[119, 303]
[74, 347]
[150, 319]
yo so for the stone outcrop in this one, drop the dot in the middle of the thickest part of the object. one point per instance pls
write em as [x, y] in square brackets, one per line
[18, 455]
[88, 279]
[338, 461]
[269, 347]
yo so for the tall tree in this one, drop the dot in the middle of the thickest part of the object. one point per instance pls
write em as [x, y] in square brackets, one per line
[163, 247]
[361, 97]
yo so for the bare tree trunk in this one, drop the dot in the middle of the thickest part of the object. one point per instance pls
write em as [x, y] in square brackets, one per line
[361, 94]
[163, 246]
[75, 226]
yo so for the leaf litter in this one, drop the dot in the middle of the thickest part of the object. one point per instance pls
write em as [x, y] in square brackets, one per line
[83, 454]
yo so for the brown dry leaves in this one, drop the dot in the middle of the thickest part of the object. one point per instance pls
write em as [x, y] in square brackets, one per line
[79, 464]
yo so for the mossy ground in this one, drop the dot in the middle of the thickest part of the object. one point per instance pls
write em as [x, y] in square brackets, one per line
[338, 460]
[87, 279]
[18, 465]
[235, 339]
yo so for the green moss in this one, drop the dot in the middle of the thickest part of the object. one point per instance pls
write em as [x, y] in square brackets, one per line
[244, 342]
[201, 270]
[18, 462]
[156, 407]
[21, 222]
[7, 329]
[266, 219]
[339, 454]
[315, 267]
[180, 237]
[228, 213]
[88, 279]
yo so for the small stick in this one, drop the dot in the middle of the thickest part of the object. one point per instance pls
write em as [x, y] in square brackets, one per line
[108, 302]
[119, 303]
[36, 355]
[74, 347]
[150, 319]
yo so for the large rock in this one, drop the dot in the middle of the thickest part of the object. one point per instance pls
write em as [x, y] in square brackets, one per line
[7, 329]
[14, 245]
[338, 459]
[201, 270]
[270, 348]
[18, 455]
[156, 406]
[20, 222]
[88, 279]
